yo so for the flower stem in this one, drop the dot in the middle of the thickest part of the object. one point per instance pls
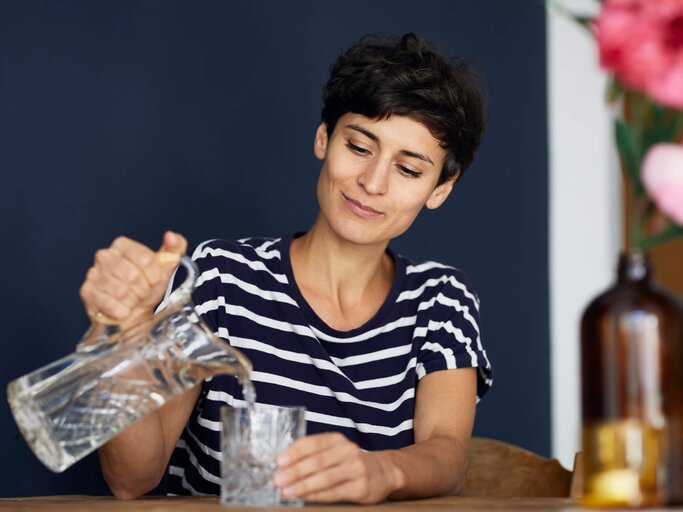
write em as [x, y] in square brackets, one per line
[636, 231]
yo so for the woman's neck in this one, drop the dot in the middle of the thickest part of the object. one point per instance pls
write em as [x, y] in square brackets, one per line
[345, 283]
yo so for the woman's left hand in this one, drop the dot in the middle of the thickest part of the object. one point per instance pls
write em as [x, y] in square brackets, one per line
[330, 468]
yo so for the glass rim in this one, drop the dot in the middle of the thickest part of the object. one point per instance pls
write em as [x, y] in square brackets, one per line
[262, 407]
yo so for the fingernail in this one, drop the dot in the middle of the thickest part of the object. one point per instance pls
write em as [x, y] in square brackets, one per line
[282, 460]
[288, 492]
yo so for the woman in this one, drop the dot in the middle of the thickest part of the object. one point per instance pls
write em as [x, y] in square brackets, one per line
[385, 354]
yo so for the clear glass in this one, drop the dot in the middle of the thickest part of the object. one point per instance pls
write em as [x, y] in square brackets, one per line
[72, 406]
[252, 437]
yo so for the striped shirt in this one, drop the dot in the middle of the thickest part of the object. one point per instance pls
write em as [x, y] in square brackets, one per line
[360, 382]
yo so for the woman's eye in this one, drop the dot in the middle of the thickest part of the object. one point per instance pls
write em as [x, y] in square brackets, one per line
[409, 172]
[357, 149]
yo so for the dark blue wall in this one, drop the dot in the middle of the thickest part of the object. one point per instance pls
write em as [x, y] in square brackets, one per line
[127, 117]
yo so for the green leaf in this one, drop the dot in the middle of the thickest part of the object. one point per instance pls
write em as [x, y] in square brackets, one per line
[585, 21]
[661, 125]
[628, 146]
[670, 233]
[667, 124]
[614, 91]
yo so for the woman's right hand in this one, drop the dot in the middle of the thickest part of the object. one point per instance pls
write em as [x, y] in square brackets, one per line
[127, 280]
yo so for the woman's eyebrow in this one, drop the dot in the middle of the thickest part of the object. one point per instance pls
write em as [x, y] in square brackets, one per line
[375, 138]
[417, 155]
[365, 132]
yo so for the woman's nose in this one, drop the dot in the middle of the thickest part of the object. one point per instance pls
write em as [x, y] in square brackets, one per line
[375, 178]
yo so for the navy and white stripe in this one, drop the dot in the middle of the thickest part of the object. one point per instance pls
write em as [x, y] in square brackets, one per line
[360, 382]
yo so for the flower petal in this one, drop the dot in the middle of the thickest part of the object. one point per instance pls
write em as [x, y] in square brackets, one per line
[662, 174]
[641, 43]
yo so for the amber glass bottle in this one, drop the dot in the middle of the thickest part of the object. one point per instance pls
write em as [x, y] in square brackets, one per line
[631, 344]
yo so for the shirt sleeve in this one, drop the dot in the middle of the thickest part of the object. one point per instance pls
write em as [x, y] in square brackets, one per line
[448, 332]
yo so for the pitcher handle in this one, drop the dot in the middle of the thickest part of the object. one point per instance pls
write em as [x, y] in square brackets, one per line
[104, 330]
[184, 291]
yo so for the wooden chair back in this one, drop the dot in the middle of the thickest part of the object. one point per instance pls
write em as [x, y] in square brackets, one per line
[499, 469]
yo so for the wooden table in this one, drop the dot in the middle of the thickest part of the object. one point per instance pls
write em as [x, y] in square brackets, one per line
[202, 504]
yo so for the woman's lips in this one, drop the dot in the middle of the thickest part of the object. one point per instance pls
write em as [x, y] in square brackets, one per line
[360, 209]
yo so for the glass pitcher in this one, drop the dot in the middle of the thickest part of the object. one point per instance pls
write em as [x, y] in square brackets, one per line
[71, 407]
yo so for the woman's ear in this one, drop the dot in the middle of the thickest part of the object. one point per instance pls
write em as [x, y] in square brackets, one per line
[320, 142]
[441, 192]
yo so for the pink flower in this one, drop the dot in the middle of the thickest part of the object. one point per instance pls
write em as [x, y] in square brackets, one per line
[641, 42]
[663, 179]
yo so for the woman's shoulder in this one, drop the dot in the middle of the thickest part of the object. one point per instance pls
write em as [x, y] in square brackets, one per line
[259, 247]
[431, 278]
[240, 257]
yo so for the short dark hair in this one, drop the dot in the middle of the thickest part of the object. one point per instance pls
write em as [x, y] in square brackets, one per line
[379, 77]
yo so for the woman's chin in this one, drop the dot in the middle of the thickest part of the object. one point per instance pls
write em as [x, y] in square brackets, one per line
[360, 235]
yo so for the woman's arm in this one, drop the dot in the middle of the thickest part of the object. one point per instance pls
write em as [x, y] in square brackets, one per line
[328, 467]
[133, 463]
[444, 415]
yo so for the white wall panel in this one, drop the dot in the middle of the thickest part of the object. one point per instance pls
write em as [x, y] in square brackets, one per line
[584, 208]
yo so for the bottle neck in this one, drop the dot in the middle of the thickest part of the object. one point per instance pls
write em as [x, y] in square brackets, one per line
[634, 267]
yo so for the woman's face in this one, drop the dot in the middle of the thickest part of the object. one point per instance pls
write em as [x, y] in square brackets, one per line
[377, 175]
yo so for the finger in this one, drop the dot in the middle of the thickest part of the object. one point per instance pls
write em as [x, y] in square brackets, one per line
[109, 285]
[314, 463]
[112, 263]
[87, 299]
[323, 479]
[173, 246]
[99, 302]
[174, 242]
[307, 446]
[142, 257]
[345, 491]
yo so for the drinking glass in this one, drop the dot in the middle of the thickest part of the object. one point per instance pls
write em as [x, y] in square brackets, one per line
[252, 438]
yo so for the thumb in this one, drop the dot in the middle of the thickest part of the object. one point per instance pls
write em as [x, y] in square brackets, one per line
[174, 243]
